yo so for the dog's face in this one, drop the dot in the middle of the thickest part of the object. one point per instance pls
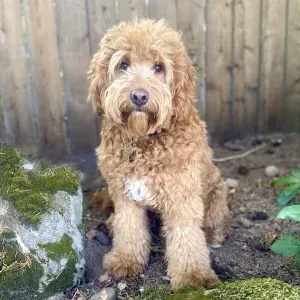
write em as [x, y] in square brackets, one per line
[141, 78]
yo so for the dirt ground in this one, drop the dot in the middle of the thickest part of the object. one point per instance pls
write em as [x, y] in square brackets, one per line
[253, 224]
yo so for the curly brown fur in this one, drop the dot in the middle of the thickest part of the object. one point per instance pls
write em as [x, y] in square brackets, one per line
[170, 172]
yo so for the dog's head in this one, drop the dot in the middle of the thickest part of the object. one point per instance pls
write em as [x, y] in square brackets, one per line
[141, 78]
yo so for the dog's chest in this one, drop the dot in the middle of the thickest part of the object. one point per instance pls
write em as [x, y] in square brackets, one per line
[137, 190]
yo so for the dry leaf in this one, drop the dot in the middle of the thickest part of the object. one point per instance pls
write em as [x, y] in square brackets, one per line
[90, 234]
[105, 278]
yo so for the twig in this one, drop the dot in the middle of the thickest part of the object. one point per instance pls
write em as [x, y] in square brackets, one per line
[239, 155]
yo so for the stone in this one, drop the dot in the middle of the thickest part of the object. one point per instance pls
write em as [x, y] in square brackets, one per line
[271, 171]
[58, 296]
[41, 244]
[245, 222]
[242, 209]
[108, 293]
[232, 183]
[122, 286]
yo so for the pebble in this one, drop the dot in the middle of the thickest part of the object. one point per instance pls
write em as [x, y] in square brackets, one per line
[242, 209]
[122, 286]
[166, 278]
[271, 171]
[232, 183]
[108, 293]
[245, 222]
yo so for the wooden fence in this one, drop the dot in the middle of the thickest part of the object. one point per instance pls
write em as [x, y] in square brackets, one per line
[247, 53]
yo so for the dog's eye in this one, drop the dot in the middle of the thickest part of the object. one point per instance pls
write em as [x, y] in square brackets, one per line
[124, 65]
[158, 68]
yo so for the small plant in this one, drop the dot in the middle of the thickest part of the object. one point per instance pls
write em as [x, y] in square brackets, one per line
[292, 184]
[289, 245]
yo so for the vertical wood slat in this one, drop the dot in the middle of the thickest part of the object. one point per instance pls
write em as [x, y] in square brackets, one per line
[292, 81]
[166, 9]
[15, 102]
[101, 16]
[190, 21]
[238, 69]
[75, 54]
[45, 73]
[218, 66]
[272, 64]
[130, 9]
[252, 17]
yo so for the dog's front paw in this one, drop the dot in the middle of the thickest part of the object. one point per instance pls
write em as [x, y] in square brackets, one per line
[121, 264]
[198, 278]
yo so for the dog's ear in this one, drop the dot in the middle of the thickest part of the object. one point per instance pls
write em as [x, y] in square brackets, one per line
[98, 81]
[185, 87]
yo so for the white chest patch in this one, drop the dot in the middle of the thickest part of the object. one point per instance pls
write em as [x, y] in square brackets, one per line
[136, 190]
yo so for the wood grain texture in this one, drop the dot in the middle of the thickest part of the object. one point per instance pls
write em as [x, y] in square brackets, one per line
[131, 9]
[237, 116]
[101, 16]
[190, 21]
[166, 9]
[291, 116]
[75, 54]
[15, 104]
[218, 67]
[251, 64]
[46, 84]
[272, 65]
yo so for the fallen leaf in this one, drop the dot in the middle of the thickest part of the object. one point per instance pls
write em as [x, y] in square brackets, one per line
[91, 234]
[105, 278]
[270, 237]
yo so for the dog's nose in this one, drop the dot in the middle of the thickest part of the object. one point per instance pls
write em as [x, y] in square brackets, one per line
[139, 97]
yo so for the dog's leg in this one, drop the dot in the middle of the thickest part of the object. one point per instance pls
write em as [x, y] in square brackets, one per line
[216, 210]
[187, 252]
[131, 239]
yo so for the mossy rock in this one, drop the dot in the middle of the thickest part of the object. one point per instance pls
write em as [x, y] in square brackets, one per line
[30, 186]
[254, 289]
[19, 272]
[41, 244]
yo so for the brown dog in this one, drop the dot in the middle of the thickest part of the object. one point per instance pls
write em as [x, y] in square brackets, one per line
[154, 152]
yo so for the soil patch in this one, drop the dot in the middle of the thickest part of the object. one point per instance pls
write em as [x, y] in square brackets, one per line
[253, 226]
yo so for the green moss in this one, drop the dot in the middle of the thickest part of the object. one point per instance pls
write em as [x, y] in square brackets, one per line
[7, 234]
[157, 293]
[57, 251]
[19, 274]
[254, 289]
[32, 191]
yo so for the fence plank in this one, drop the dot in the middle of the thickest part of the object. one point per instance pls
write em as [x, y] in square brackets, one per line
[46, 81]
[73, 42]
[130, 9]
[292, 82]
[14, 101]
[272, 64]
[166, 9]
[101, 16]
[238, 68]
[218, 68]
[190, 21]
[251, 64]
